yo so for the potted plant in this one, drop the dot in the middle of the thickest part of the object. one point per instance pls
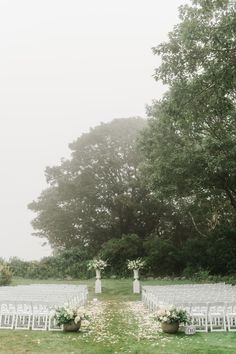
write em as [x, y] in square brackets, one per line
[171, 317]
[70, 317]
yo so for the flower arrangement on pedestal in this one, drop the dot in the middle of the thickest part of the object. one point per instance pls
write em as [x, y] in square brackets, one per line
[171, 317]
[98, 265]
[70, 317]
[136, 264]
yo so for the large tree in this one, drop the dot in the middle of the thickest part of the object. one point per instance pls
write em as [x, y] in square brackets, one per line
[98, 193]
[190, 144]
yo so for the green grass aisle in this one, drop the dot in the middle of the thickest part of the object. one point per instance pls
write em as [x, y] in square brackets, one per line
[117, 326]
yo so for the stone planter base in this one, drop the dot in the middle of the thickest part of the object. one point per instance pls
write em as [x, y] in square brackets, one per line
[71, 326]
[170, 327]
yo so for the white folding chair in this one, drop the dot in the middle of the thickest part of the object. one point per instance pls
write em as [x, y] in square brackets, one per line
[231, 316]
[199, 316]
[7, 315]
[216, 315]
[39, 316]
[52, 325]
[23, 316]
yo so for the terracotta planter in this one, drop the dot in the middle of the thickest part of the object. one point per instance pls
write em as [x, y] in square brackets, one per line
[170, 327]
[71, 326]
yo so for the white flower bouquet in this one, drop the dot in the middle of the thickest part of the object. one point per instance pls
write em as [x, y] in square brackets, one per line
[67, 313]
[97, 264]
[136, 264]
[171, 314]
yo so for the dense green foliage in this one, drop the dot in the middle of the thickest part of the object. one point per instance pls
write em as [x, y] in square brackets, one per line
[68, 264]
[118, 251]
[98, 194]
[190, 145]
[96, 201]
[5, 274]
[171, 198]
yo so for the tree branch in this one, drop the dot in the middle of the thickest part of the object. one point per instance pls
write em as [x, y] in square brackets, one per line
[195, 226]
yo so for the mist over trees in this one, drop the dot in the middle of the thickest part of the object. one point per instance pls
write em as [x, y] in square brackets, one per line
[165, 188]
[98, 194]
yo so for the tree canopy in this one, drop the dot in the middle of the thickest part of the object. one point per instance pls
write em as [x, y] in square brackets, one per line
[190, 145]
[98, 194]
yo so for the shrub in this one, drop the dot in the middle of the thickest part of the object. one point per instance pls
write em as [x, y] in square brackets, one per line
[68, 263]
[201, 275]
[18, 267]
[5, 274]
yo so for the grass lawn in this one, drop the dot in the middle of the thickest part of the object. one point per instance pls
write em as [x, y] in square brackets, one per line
[119, 329]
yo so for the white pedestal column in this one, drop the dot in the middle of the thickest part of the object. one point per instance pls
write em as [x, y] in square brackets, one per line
[136, 283]
[98, 283]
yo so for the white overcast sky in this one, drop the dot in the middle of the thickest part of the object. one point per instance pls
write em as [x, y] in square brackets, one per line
[65, 66]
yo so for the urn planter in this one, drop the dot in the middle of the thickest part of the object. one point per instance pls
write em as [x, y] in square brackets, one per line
[170, 327]
[71, 326]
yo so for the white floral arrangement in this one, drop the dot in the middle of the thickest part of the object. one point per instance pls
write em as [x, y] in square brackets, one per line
[97, 264]
[136, 264]
[67, 313]
[171, 314]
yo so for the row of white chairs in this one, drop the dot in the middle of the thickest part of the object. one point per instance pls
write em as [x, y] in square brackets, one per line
[26, 308]
[197, 293]
[214, 316]
[200, 301]
[26, 315]
[38, 290]
[51, 292]
[181, 293]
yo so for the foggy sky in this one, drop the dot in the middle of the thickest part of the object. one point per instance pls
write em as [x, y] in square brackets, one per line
[66, 66]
